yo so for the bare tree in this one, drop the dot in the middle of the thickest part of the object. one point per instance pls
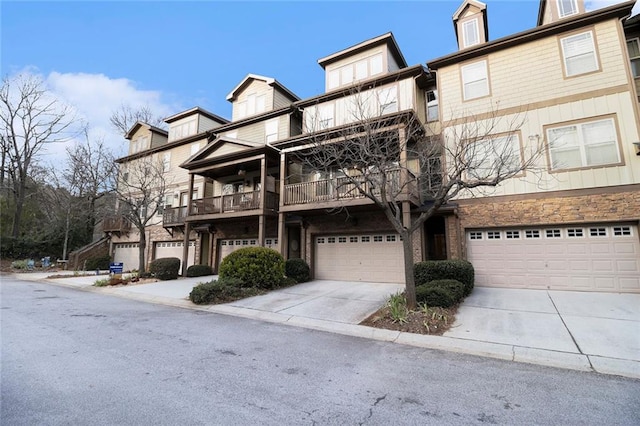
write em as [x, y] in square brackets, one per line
[141, 189]
[88, 176]
[31, 118]
[125, 117]
[393, 159]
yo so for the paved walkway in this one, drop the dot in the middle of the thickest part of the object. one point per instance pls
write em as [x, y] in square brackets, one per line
[582, 331]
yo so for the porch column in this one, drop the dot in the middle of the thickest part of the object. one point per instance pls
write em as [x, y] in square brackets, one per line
[404, 171]
[281, 234]
[283, 178]
[191, 181]
[263, 184]
[185, 243]
[261, 230]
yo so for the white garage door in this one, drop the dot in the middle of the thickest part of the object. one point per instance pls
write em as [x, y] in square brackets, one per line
[230, 245]
[174, 249]
[588, 258]
[128, 254]
[371, 258]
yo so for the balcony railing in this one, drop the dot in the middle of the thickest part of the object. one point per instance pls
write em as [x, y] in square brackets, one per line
[174, 216]
[116, 224]
[343, 188]
[245, 201]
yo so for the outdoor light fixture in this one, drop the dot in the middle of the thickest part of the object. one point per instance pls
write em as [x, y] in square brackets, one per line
[242, 172]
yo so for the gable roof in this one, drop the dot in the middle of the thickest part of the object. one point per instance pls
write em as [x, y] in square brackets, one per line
[196, 110]
[386, 38]
[462, 8]
[139, 124]
[269, 80]
[216, 144]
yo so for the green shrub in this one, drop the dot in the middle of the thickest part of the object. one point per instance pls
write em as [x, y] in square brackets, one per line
[256, 266]
[102, 282]
[455, 287]
[434, 296]
[199, 270]
[220, 291]
[454, 269]
[297, 269]
[98, 262]
[165, 268]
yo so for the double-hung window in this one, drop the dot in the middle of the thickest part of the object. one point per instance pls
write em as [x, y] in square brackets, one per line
[567, 7]
[470, 33]
[271, 130]
[633, 47]
[579, 54]
[475, 80]
[432, 105]
[592, 143]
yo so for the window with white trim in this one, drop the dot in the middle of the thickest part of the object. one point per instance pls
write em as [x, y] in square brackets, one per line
[493, 235]
[579, 54]
[553, 233]
[586, 144]
[470, 33]
[575, 232]
[598, 232]
[183, 130]
[532, 233]
[166, 161]
[494, 156]
[473, 235]
[633, 47]
[567, 7]
[355, 71]
[512, 235]
[475, 80]
[271, 130]
[253, 104]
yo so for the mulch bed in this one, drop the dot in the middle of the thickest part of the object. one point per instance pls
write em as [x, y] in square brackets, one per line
[434, 322]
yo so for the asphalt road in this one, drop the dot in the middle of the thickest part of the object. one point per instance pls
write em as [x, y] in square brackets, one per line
[72, 357]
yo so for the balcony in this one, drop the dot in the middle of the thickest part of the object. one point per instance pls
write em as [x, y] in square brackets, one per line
[344, 189]
[233, 203]
[174, 216]
[116, 224]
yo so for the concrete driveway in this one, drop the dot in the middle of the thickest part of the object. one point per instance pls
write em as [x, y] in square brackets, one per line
[603, 326]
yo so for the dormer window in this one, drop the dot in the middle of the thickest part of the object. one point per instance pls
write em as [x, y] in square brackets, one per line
[355, 71]
[182, 130]
[139, 144]
[567, 7]
[470, 33]
[254, 104]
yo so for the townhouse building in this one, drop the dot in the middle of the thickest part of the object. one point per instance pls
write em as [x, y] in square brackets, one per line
[570, 222]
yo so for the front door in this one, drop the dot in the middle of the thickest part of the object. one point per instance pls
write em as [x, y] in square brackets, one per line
[293, 251]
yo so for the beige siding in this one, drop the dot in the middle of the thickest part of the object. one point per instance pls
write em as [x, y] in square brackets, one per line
[140, 133]
[205, 123]
[157, 139]
[355, 58]
[541, 181]
[280, 100]
[392, 65]
[253, 132]
[516, 81]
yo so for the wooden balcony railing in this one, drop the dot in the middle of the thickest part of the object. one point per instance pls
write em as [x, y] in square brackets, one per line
[174, 216]
[245, 201]
[116, 224]
[343, 188]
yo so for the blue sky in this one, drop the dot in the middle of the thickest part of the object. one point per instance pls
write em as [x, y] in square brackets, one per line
[172, 56]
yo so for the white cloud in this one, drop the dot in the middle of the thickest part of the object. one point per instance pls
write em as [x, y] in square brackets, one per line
[96, 96]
